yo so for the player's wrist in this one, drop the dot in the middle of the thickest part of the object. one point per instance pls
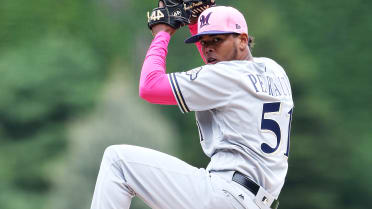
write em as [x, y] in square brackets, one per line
[162, 28]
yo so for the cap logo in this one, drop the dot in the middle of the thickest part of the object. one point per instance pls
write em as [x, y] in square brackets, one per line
[177, 13]
[238, 26]
[204, 20]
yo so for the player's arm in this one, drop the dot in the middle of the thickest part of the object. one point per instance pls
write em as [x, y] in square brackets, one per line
[154, 85]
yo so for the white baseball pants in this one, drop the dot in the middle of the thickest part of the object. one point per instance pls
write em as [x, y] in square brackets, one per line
[163, 182]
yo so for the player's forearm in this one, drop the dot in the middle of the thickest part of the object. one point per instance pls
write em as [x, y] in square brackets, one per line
[154, 85]
[194, 30]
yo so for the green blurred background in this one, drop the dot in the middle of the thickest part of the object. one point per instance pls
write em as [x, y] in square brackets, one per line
[69, 73]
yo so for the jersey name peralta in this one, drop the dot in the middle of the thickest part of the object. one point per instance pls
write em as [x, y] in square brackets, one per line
[243, 111]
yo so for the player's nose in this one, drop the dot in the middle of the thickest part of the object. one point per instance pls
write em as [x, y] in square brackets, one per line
[209, 49]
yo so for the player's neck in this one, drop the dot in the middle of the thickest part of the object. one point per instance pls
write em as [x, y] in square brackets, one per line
[247, 56]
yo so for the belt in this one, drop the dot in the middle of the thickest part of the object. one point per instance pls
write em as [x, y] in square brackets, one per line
[246, 182]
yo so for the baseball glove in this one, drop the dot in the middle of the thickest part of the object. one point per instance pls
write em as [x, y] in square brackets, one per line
[198, 6]
[175, 13]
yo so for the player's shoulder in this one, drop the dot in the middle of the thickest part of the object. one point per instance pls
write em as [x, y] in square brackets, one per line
[234, 67]
[265, 60]
[234, 64]
[240, 63]
[229, 70]
[244, 66]
[269, 63]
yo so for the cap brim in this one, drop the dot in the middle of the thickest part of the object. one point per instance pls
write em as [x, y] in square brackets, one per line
[196, 38]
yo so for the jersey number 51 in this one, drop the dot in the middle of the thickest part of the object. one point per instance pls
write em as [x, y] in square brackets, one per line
[272, 125]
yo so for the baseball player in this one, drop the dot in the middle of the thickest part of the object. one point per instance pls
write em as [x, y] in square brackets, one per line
[243, 108]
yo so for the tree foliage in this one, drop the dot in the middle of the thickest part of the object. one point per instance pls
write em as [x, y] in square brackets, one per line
[55, 57]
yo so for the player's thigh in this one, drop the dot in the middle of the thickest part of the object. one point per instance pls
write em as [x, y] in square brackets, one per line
[164, 181]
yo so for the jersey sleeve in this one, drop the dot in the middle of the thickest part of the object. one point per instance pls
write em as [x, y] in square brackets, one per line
[203, 88]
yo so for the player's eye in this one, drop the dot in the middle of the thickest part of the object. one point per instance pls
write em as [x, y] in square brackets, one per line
[203, 43]
[216, 40]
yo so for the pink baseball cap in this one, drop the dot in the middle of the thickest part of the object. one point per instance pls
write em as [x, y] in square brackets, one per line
[219, 20]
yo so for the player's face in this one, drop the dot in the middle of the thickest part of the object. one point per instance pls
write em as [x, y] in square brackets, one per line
[217, 48]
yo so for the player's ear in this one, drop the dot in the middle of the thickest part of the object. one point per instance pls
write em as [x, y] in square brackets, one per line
[243, 41]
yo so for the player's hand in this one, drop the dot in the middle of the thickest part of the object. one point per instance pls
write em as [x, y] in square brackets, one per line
[168, 16]
[162, 27]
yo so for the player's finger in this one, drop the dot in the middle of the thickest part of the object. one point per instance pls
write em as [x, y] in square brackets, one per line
[161, 4]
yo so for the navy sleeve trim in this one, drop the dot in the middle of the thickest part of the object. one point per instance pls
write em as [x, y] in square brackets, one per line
[178, 94]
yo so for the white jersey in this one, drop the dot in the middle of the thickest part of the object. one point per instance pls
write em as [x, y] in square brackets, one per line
[243, 111]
